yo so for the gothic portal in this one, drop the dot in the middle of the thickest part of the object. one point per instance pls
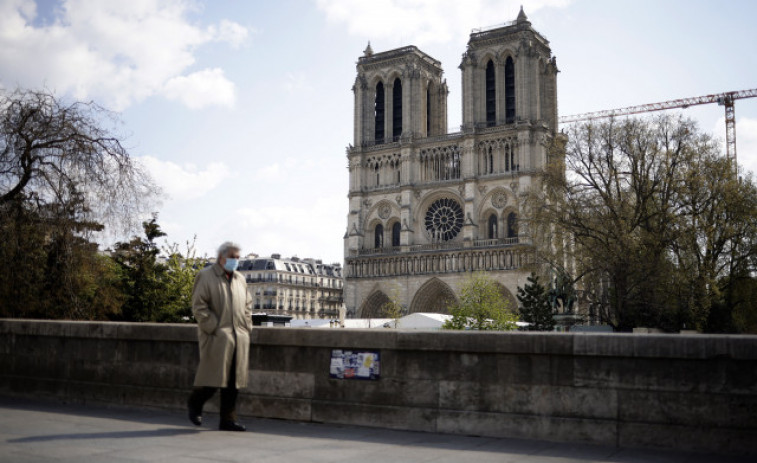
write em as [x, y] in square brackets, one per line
[428, 207]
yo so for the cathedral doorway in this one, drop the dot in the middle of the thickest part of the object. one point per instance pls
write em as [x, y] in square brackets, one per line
[373, 305]
[434, 296]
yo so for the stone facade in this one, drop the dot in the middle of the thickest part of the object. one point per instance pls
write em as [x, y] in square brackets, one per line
[300, 288]
[428, 207]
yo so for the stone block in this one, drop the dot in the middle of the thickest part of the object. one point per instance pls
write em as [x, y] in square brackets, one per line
[534, 369]
[689, 409]
[651, 374]
[602, 432]
[283, 408]
[385, 391]
[557, 401]
[282, 384]
[374, 415]
[688, 438]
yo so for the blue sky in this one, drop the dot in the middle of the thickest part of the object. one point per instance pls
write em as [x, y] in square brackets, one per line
[242, 110]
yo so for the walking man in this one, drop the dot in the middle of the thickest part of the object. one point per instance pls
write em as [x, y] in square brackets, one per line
[222, 307]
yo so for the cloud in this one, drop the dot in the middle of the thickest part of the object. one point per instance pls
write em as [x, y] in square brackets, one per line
[116, 52]
[200, 89]
[292, 228]
[431, 21]
[185, 182]
[746, 142]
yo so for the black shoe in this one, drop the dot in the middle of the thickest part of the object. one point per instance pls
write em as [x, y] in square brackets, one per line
[195, 414]
[231, 426]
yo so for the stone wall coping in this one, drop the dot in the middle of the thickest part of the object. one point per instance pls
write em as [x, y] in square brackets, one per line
[695, 346]
[100, 330]
[698, 346]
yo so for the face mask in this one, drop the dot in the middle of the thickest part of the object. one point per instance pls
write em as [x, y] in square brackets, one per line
[231, 265]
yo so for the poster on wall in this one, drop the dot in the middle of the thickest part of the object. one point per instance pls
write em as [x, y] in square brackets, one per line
[352, 364]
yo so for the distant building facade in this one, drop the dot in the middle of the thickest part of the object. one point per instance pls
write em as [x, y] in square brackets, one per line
[427, 207]
[301, 288]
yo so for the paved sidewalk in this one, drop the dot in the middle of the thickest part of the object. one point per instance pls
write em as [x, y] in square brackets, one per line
[37, 431]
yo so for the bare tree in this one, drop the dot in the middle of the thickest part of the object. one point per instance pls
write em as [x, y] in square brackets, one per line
[53, 153]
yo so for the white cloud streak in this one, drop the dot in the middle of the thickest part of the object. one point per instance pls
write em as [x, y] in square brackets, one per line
[116, 52]
[185, 182]
[429, 21]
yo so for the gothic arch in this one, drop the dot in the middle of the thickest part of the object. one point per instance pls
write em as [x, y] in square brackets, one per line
[511, 300]
[488, 201]
[434, 296]
[372, 305]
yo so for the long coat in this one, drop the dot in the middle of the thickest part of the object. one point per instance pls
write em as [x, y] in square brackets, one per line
[223, 310]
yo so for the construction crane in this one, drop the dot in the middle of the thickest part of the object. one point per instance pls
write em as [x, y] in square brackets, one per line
[726, 99]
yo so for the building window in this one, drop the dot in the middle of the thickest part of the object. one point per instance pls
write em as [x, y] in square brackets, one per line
[512, 225]
[379, 113]
[378, 236]
[397, 108]
[396, 234]
[492, 227]
[491, 95]
[428, 111]
[509, 91]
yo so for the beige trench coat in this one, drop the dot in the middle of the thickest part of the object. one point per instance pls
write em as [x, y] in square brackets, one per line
[223, 310]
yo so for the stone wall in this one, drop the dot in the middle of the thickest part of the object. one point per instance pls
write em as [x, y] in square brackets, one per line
[687, 392]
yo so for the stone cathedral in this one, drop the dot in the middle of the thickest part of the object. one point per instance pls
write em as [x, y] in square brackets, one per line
[428, 207]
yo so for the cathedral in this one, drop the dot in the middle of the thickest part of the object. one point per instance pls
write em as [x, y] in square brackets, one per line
[426, 207]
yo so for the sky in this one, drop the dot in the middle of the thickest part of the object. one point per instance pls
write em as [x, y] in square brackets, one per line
[242, 110]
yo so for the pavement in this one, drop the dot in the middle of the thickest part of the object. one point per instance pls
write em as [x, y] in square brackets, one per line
[41, 431]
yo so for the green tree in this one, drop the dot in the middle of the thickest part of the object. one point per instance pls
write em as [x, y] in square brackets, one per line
[393, 308]
[482, 306]
[651, 216]
[64, 175]
[181, 270]
[143, 276]
[535, 306]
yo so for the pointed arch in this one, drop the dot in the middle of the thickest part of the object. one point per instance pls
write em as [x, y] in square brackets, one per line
[491, 95]
[396, 108]
[379, 113]
[372, 306]
[509, 90]
[434, 296]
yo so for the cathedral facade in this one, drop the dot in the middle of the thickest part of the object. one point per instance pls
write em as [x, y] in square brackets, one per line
[428, 207]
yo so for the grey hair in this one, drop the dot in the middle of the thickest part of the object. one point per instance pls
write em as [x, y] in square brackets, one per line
[223, 250]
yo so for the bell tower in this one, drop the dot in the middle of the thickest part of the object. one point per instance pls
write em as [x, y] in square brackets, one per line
[427, 207]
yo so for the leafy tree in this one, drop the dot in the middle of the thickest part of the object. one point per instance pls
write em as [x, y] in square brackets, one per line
[143, 276]
[393, 308]
[651, 216]
[482, 306]
[63, 175]
[179, 278]
[536, 308]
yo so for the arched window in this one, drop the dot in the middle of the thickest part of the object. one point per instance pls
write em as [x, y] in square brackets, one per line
[491, 95]
[397, 108]
[492, 227]
[379, 113]
[396, 234]
[512, 225]
[490, 159]
[376, 170]
[428, 111]
[509, 91]
[378, 236]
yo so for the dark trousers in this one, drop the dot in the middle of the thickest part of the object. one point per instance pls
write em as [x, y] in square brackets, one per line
[200, 395]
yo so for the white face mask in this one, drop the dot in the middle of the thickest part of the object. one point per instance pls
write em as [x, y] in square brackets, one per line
[231, 264]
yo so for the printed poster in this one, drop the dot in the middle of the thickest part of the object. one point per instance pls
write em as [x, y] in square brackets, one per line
[351, 364]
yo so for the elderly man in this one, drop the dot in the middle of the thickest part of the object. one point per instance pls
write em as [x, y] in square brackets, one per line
[222, 307]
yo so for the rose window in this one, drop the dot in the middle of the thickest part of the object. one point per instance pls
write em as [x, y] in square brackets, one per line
[444, 219]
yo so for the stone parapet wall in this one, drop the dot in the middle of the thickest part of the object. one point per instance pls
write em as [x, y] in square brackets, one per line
[689, 392]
